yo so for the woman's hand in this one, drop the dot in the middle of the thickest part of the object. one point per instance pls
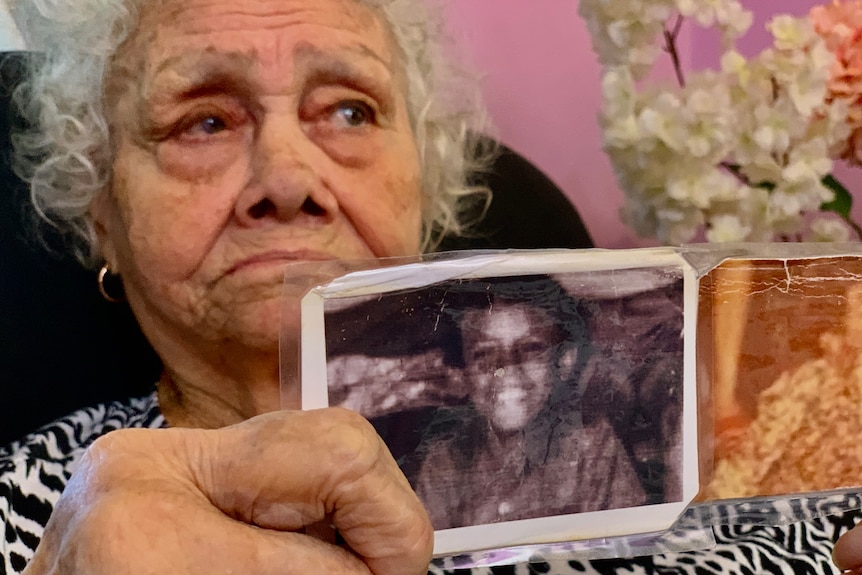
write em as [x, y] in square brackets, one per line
[237, 500]
[848, 550]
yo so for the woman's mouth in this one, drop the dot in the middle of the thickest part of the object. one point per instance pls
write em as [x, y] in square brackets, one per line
[278, 257]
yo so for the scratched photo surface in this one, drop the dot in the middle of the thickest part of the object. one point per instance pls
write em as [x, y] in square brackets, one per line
[784, 341]
[522, 397]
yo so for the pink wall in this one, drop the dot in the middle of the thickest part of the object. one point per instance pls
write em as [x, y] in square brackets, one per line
[541, 84]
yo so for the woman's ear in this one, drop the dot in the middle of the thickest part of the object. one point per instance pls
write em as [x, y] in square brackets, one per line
[101, 212]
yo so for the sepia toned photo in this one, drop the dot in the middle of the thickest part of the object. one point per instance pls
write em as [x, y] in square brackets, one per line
[521, 397]
[785, 346]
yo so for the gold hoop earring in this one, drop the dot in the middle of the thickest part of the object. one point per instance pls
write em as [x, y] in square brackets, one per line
[106, 279]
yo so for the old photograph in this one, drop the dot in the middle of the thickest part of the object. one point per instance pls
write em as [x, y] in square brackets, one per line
[521, 397]
[784, 341]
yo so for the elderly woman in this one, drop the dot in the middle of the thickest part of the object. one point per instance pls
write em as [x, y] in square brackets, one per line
[192, 149]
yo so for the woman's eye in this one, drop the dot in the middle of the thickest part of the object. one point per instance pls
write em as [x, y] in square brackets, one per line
[202, 127]
[208, 125]
[212, 125]
[534, 347]
[355, 113]
[478, 358]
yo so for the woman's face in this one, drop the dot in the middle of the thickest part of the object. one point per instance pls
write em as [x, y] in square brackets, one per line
[511, 359]
[249, 134]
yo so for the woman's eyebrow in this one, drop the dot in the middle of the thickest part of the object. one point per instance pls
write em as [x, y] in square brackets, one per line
[307, 53]
[199, 74]
[352, 64]
[484, 346]
[211, 71]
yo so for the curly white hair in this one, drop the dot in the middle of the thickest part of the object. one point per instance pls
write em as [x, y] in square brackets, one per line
[66, 155]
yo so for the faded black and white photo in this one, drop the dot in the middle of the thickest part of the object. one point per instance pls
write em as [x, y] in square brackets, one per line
[521, 397]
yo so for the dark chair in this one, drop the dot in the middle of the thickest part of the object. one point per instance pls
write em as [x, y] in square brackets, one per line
[62, 347]
[528, 211]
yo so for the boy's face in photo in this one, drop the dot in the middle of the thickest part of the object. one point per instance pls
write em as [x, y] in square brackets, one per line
[511, 358]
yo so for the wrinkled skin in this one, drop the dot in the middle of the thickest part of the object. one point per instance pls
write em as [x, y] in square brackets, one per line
[235, 500]
[248, 135]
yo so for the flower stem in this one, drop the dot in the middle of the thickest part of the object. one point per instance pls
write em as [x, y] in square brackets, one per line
[670, 37]
[735, 172]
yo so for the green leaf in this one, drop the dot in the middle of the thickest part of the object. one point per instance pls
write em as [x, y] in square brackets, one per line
[842, 202]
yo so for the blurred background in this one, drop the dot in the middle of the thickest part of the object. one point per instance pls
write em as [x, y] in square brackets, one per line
[540, 80]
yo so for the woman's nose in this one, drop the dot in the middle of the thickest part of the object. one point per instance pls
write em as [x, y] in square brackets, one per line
[286, 183]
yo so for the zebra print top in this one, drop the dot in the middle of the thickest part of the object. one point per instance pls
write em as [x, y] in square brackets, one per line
[34, 471]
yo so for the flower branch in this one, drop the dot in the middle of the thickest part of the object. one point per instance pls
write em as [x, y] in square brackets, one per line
[670, 37]
[741, 153]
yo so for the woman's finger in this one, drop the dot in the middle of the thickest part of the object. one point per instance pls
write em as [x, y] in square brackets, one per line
[848, 550]
[238, 500]
[152, 526]
[289, 470]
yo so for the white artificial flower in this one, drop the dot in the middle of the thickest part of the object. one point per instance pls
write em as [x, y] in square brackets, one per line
[729, 155]
[830, 123]
[807, 161]
[808, 89]
[689, 188]
[773, 127]
[640, 217]
[626, 32]
[641, 172]
[701, 10]
[819, 56]
[829, 229]
[784, 228]
[732, 62]
[727, 228]
[794, 34]
[621, 132]
[771, 137]
[795, 75]
[731, 17]
[618, 92]
[702, 185]
[788, 202]
[761, 170]
[662, 117]
[708, 117]
[678, 225]
[735, 20]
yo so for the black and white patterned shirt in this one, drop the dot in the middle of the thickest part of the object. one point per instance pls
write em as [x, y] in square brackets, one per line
[35, 470]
